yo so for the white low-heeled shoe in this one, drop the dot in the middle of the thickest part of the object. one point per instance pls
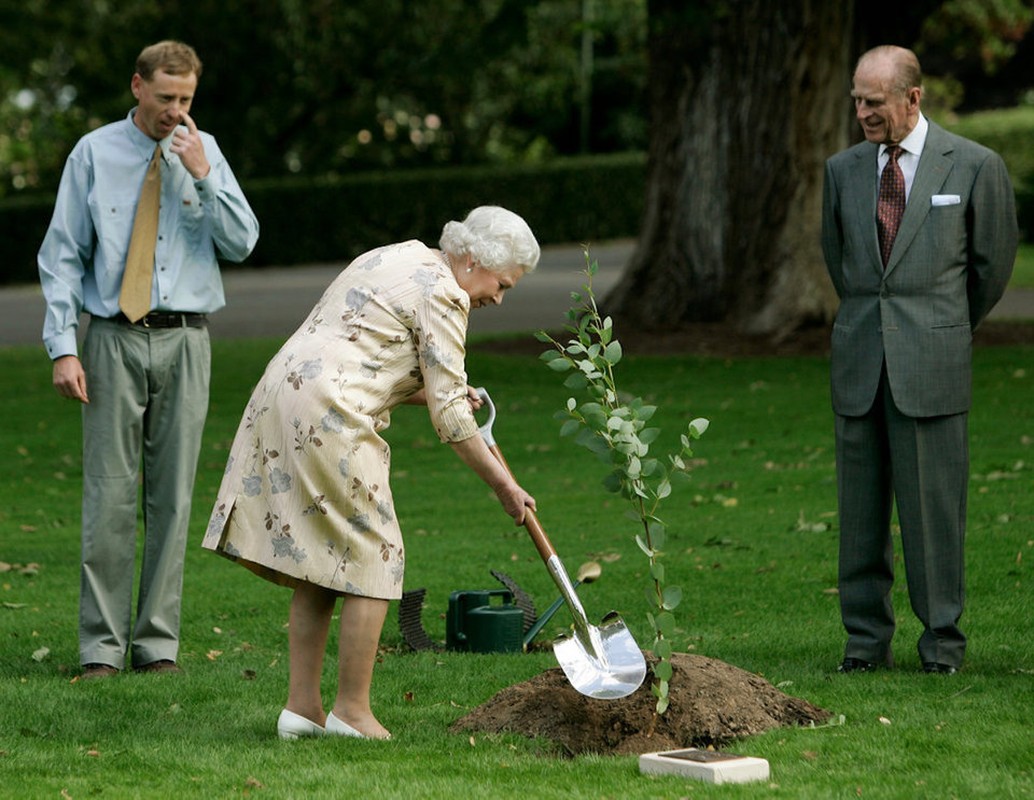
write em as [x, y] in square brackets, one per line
[336, 727]
[295, 726]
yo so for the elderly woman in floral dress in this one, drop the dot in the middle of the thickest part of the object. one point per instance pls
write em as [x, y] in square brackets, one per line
[305, 500]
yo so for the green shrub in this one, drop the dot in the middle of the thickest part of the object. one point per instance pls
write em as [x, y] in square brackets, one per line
[306, 220]
[1010, 133]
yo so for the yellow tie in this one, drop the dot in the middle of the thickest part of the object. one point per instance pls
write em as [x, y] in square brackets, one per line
[135, 297]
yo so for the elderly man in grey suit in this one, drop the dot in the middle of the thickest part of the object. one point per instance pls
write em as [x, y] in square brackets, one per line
[919, 236]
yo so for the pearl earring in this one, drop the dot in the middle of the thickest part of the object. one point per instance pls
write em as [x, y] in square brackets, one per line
[470, 269]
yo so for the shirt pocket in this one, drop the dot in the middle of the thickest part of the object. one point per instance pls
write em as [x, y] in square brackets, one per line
[113, 224]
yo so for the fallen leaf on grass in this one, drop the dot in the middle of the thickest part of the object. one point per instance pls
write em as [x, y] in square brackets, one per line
[212, 655]
[41, 654]
[884, 720]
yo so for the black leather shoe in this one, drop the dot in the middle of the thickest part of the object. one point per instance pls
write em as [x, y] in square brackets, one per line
[850, 664]
[939, 669]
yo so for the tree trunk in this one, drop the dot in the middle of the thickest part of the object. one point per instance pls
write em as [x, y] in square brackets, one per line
[747, 100]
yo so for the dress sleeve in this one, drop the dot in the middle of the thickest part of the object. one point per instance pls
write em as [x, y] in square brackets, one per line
[441, 330]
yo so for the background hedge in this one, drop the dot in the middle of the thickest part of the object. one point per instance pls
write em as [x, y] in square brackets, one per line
[593, 198]
[304, 221]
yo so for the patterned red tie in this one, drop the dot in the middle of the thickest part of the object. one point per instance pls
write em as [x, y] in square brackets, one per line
[891, 203]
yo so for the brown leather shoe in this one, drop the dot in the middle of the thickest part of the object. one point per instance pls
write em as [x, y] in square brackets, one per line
[161, 666]
[94, 671]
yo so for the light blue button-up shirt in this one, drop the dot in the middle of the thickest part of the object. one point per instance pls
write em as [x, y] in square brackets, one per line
[83, 254]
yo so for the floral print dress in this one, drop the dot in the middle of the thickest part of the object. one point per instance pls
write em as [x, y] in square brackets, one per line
[305, 495]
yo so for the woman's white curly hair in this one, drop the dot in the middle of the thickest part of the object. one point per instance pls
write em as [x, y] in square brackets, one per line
[494, 238]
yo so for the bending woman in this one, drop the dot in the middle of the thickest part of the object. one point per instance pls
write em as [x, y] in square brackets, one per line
[305, 500]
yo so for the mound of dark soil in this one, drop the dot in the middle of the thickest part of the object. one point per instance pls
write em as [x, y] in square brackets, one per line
[711, 703]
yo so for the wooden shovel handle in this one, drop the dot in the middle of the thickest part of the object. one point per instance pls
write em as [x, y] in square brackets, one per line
[531, 522]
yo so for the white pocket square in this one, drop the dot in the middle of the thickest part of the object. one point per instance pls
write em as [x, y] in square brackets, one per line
[945, 200]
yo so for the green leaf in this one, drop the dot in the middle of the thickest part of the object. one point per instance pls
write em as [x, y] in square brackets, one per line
[650, 467]
[662, 670]
[569, 427]
[672, 597]
[657, 534]
[612, 482]
[662, 702]
[665, 622]
[542, 336]
[613, 352]
[551, 355]
[651, 595]
[657, 571]
[575, 381]
[663, 489]
[698, 427]
[663, 649]
[649, 435]
[559, 365]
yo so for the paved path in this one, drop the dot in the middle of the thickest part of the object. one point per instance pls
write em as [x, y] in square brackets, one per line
[273, 301]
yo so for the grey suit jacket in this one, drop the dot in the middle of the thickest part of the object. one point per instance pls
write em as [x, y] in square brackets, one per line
[951, 261]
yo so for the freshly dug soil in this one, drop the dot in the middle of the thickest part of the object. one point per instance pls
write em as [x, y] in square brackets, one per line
[711, 703]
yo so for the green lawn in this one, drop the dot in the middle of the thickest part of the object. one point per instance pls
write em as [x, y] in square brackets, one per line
[1023, 271]
[752, 542]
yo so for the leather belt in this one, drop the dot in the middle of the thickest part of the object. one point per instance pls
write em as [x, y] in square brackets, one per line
[166, 319]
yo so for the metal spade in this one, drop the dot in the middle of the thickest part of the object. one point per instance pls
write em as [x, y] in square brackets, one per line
[602, 661]
[587, 573]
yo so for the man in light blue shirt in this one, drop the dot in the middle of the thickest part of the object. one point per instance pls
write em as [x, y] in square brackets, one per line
[143, 384]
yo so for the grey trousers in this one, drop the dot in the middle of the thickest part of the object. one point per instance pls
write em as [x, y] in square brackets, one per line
[148, 393]
[922, 464]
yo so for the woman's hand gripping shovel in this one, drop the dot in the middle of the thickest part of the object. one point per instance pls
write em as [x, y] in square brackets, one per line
[602, 662]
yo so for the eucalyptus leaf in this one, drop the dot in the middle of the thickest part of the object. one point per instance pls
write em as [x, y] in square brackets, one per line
[613, 352]
[612, 482]
[672, 597]
[575, 381]
[649, 435]
[665, 622]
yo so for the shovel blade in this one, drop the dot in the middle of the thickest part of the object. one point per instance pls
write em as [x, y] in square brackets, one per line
[610, 665]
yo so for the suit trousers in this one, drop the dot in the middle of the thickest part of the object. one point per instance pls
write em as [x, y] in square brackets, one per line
[922, 464]
[148, 401]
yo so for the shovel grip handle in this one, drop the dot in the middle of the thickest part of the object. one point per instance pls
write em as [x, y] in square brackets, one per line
[531, 522]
